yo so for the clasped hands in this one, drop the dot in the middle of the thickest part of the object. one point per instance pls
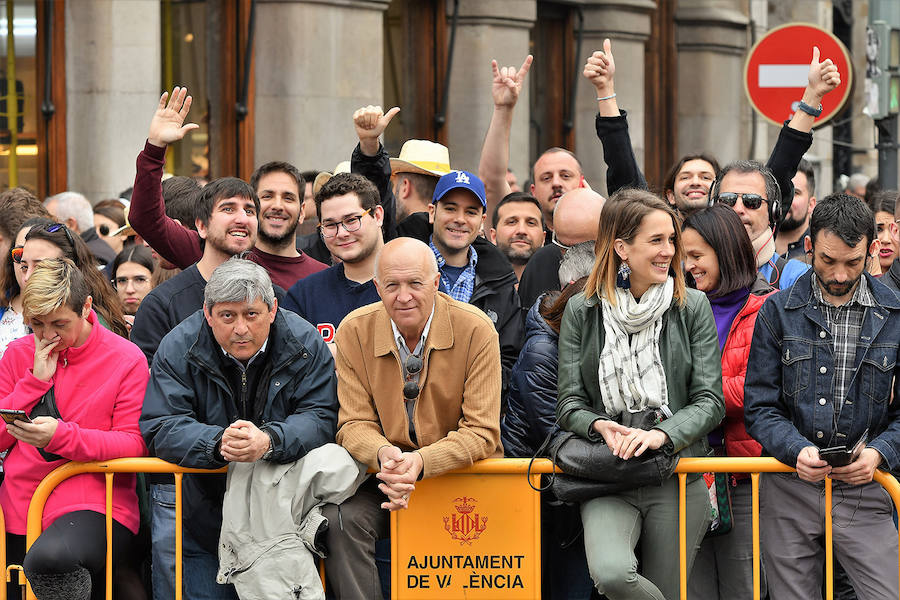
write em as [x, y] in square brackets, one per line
[242, 441]
[626, 442]
[398, 474]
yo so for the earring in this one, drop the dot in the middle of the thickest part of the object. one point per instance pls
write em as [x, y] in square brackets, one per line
[622, 276]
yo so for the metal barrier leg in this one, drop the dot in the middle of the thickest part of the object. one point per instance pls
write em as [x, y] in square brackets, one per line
[109, 545]
[682, 533]
[829, 545]
[178, 541]
[754, 512]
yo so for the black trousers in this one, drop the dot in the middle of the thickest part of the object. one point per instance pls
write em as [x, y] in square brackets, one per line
[77, 539]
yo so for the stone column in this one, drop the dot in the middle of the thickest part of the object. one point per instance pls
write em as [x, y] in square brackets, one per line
[113, 58]
[487, 29]
[713, 113]
[627, 24]
[316, 63]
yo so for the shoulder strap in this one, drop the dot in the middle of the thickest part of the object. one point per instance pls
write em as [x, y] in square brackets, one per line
[777, 269]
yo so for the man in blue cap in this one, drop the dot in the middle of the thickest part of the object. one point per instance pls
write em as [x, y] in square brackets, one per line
[486, 280]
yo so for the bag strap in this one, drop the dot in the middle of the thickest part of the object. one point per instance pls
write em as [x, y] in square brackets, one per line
[539, 453]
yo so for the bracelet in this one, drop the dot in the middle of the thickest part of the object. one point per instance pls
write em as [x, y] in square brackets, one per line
[606, 98]
[813, 112]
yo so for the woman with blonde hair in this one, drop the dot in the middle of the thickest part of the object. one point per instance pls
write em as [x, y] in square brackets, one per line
[80, 389]
[639, 369]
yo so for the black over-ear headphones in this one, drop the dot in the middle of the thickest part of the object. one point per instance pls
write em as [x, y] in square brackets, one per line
[774, 204]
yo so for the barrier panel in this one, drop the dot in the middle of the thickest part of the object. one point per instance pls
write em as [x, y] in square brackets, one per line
[110, 468]
[472, 533]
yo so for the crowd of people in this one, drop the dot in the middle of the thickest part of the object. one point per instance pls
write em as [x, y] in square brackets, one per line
[425, 318]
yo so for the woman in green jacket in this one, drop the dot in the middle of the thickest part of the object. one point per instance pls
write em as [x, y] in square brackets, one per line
[638, 339]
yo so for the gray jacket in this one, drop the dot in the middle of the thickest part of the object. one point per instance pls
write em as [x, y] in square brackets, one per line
[270, 516]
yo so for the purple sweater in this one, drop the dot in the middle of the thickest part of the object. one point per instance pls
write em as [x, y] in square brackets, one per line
[725, 309]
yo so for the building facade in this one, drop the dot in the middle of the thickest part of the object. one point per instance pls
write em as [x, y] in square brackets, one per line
[280, 79]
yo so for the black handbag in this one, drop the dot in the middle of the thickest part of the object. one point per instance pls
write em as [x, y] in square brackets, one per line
[46, 407]
[591, 470]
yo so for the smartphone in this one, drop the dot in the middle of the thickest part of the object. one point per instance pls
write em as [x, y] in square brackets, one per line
[10, 415]
[841, 456]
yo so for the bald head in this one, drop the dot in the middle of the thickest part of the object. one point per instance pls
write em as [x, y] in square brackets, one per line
[577, 216]
[407, 279]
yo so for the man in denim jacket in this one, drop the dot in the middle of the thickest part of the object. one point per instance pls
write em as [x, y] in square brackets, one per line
[835, 336]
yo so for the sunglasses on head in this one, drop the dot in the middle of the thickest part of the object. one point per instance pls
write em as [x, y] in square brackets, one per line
[751, 201]
[17, 253]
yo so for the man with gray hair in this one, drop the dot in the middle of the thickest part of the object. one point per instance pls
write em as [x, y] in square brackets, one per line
[238, 382]
[75, 212]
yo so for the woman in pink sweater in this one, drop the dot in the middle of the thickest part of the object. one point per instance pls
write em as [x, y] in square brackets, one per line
[82, 387]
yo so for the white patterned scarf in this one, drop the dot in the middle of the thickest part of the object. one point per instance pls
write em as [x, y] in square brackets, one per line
[631, 373]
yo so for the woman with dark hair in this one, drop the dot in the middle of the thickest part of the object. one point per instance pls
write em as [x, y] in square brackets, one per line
[56, 241]
[132, 276]
[81, 389]
[12, 280]
[883, 204]
[638, 344]
[719, 258]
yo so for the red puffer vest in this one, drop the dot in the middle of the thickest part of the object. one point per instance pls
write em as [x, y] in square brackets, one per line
[734, 367]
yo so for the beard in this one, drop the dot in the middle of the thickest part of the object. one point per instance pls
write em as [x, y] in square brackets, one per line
[281, 240]
[516, 257]
[791, 223]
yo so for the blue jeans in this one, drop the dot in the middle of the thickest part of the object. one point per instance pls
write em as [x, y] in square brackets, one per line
[200, 570]
[162, 532]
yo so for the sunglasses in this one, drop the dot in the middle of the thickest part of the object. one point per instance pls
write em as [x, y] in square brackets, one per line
[17, 253]
[412, 366]
[751, 201]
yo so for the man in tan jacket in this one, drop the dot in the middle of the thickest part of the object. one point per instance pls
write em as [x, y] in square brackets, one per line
[419, 388]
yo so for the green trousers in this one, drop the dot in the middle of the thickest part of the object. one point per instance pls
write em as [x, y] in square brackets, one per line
[614, 524]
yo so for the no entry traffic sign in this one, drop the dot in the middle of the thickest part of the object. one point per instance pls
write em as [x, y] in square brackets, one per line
[775, 73]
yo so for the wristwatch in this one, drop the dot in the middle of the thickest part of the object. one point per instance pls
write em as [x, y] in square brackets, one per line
[268, 453]
[814, 112]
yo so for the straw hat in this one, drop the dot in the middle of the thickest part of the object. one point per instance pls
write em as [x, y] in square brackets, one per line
[422, 156]
[323, 177]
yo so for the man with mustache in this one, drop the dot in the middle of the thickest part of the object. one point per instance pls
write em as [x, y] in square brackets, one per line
[517, 228]
[821, 374]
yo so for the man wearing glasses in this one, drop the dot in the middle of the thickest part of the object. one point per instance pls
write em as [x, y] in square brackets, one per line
[419, 381]
[350, 219]
[746, 186]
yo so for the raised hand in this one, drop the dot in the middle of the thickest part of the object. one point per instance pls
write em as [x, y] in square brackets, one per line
[508, 82]
[823, 76]
[168, 125]
[600, 70]
[370, 122]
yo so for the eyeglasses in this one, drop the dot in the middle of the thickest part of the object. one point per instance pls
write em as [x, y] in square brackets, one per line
[411, 366]
[329, 230]
[558, 243]
[139, 282]
[751, 201]
[17, 253]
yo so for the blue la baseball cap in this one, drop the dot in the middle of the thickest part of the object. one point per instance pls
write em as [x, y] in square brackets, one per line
[459, 180]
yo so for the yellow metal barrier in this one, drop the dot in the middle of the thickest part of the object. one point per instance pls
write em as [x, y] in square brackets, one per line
[109, 468]
[753, 466]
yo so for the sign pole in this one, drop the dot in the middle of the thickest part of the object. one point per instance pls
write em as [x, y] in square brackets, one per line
[887, 151]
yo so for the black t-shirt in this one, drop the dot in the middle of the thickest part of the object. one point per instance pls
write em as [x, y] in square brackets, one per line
[541, 275]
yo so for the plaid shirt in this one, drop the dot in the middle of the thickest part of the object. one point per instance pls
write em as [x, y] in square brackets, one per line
[845, 323]
[465, 285]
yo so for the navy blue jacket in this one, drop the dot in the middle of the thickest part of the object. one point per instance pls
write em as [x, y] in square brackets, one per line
[531, 412]
[189, 404]
[788, 401]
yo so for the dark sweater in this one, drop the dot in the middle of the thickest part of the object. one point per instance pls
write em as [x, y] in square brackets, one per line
[325, 298]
